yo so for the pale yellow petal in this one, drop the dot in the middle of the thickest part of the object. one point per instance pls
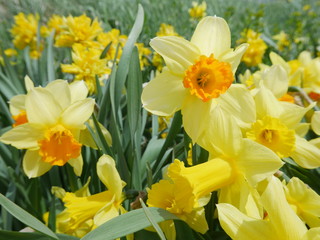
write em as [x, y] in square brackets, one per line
[77, 164]
[239, 226]
[302, 129]
[87, 139]
[238, 101]
[267, 103]
[276, 79]
[306, 154]
[277, 60]
[257, 162]
[242, 196]
[108, 174]
[108, 212]
[28, 83]
[33, 166]
[234, 56]
[315, 122]
[79, 91]
[212, 35]
[23, 136]
[168, 229]
[195, 116]
[308, 199]
[312, 234]
[197, 220]
[177, 52]
[60, 90]
[42, 108]
[17, 103]
[223, 135]
[282, 217]
[292, 114]
[164, 94]
[78, 113]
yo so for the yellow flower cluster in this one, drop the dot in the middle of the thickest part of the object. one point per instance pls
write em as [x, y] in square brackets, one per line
[257, 47]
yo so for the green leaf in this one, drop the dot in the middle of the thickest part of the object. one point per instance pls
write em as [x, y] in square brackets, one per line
[134, 92]
[128, 223]
[25, 217]
[123, 68]
[6, 235]
[50, 57]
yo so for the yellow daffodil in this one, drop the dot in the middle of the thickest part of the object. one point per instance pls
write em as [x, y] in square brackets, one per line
[56, 115]
[282, 222]
[77, 30]
[86, 65]
[115, 38]
[309, 69]
[282, 40]
[55, 23]
[243, 163]
[25, 30]
[25, 34]
[164, 195]
[198, 11]
[276, 127]
[83, 211]
[257, 47]
[304, 201]
[198, 75]
[166, 30]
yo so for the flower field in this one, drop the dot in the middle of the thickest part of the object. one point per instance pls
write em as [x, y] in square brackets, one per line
[160, 120]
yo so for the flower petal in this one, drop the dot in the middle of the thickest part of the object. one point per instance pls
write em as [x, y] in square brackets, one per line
[267, 103]
[239, 226]
[197, 220]
[223, 135]
[79, 91]
[23, 137]
[315, 122]
[177, 52]
[41, 107]
[284, 220]
[306, 154]
[195, 116]
[77, 164]
[276, 79]
[106, 213]
[17, 103]
[33, 166]
[212, 35]
[292, 114]
[237, 101]
[108, 174]
[77, 113]
[257, 162]
[60, 90]
[164, 94]
[234, 57]
[28, 83]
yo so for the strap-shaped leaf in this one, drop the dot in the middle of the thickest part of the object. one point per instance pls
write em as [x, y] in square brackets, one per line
[130, 222]
[25, 217]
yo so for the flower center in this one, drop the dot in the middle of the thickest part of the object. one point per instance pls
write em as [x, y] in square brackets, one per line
[58, 146]
[273, 134]
[19, 119]
[208, 78]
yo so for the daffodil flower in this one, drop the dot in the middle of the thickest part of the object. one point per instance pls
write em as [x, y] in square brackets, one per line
[56, 115]
[199, 75]
[277, 127]
[235, 167]
[304, 201]
[85, 212]
[282, 222]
